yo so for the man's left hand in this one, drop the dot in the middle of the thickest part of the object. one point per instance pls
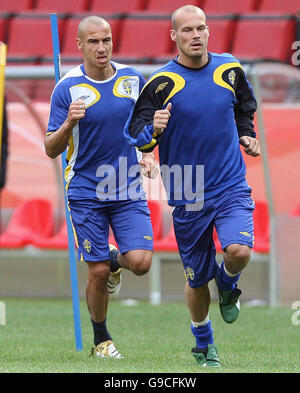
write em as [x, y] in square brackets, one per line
[149, 166]
[251, 145]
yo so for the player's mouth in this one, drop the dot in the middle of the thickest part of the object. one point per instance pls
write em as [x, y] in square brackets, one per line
[102, 58]
[196, 45]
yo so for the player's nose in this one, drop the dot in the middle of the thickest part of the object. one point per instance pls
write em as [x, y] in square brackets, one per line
[195, 33]
[100, 48]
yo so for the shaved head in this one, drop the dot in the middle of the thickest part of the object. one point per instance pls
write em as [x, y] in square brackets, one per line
[91, 20]
[186, 9]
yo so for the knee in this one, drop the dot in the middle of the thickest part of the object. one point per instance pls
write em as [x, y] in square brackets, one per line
[98, 272]
[238, 253]
[140, 262]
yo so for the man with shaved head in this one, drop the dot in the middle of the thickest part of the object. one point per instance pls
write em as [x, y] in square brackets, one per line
[89, 109]
[199, 109]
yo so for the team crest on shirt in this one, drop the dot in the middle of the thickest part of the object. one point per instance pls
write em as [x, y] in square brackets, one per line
[87, 245]
[232, 76]
[189, 273]
[127, 86]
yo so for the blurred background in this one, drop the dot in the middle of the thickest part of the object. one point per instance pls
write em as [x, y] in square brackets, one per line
[263, 34]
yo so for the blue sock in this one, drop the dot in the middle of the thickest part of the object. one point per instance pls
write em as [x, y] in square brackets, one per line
[203, 335]
[225, 282]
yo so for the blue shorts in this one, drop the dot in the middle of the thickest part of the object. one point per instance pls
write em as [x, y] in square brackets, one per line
[231, 214]
[129, 220]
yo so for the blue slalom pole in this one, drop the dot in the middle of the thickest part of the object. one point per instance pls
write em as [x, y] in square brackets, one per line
[72, 254]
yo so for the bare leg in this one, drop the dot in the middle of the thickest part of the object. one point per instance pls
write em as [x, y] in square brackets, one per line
[236, 257]
[198, 301]
[138, 261]
[96, 289]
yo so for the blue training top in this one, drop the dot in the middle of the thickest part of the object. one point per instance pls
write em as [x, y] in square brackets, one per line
[211, 108]
[98, 156]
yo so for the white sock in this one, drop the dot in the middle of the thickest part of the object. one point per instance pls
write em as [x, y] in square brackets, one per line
[202, 323]
[230, 274]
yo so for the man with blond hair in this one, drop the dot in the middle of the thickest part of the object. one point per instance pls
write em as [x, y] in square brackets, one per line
[199, 109]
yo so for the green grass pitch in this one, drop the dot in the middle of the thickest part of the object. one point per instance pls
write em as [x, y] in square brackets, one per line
[39, 337]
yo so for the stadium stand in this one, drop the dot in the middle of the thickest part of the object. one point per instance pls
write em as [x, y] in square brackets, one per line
[23, 47]
[217, 241]
[221, 33]
[31, 219]
[167, 243]
[117, 6]
[155, 208]
[229, 6]
[154, 42]
[296, 212]
[168, 6]
[264, 37]
[3, 27]
[279, 6]
[59, 6]
[13, 6]
[56, 242]
[69, 50]
[261, 227]
[247, 36]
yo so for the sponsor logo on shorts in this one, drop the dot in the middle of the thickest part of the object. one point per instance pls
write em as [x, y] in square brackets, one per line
[87, 245]
[245, 234]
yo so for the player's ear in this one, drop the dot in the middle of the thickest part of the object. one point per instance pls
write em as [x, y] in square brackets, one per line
[173, 35]
[79, 43]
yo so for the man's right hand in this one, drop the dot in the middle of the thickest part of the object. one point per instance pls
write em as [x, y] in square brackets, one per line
[76, 112]
[161, 119]
[57, 142]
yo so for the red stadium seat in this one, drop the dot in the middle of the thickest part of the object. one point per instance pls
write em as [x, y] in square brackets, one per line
[116, 6]
[56, 242]
[145, 37]
[3, 27]
[220, 34]
[279, 6]
[166, 244]
[261, 227]
[296, 212]
[229, 6]
[263, 38]
[16, 5]
[156, 218]
[169, 6]
[69, 47]
[23, 44]
[31, 219]
[59, 6]
[217, 241]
